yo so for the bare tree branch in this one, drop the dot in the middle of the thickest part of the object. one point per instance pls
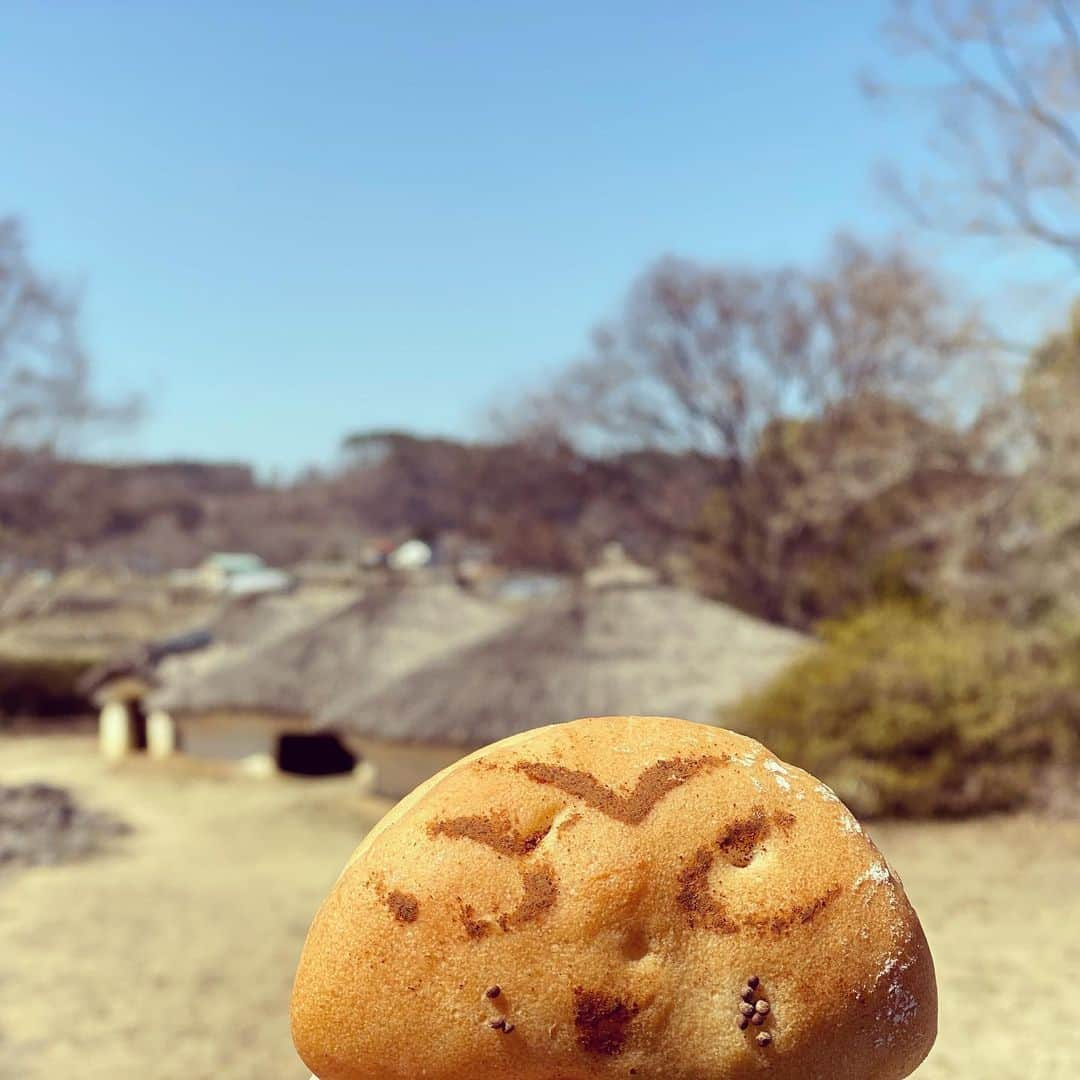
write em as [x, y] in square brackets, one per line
[1006, 132]
[1023, 90]
[803, 392]
[1069, 31]
[46, 395]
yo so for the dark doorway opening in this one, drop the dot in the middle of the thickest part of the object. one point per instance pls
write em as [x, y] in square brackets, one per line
[315, 754]
[138, 725]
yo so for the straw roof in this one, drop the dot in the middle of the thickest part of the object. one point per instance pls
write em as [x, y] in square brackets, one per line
[646, 650]
[358, 649]
[229, 633]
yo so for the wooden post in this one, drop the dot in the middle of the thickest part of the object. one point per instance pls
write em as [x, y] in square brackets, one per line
[160, 734]
[115, 732]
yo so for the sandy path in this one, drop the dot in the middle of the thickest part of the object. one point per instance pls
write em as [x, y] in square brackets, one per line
[1000, 902]
[171, 957]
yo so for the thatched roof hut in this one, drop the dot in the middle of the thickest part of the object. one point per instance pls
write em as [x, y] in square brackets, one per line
[357, 649]
[646, 650]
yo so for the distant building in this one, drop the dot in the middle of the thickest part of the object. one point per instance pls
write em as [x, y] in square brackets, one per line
[259, 582]
[234, 562]
[615, 569]
[119, 688]
[526, 587]
[641, 649]
[235, 573]
[412, 555]
[262, 700]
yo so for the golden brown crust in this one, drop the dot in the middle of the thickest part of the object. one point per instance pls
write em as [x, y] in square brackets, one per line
[619, 879]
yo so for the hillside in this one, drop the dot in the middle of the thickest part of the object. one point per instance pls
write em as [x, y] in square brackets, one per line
[536, 508]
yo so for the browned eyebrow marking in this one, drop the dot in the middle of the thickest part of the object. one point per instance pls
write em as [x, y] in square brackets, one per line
[601, 1020]
[705, 908]
[700, 907]
[494, 830]
[541, 891]
[739, 843]
[633, 808]
[404, 906]
[796, 915]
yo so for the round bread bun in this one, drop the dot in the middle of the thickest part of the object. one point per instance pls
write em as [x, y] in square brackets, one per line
[591, 899]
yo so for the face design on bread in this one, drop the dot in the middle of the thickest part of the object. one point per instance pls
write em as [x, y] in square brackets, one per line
[735, 845]
[540, 886]
[619, 879]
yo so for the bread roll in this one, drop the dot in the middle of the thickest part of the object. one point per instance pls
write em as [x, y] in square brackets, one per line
[590, 900]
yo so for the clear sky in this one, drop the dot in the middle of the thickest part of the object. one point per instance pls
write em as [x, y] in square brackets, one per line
[293, 220]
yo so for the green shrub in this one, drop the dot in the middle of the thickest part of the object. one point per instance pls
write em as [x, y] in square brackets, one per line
[908, 711]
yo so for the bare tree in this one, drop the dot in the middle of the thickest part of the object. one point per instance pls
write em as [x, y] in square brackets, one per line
[704, 358]
[727, 367]
[46, 396]
[1018, 555]
[1005, 96]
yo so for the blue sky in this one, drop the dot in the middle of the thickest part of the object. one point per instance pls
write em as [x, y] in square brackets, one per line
[295, 220]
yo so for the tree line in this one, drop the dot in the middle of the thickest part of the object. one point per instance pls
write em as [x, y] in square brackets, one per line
[794, 440]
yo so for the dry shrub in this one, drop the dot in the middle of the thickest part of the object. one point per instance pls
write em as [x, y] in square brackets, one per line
[910, 711]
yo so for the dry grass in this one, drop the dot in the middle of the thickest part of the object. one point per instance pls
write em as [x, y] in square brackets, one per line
[172, 956]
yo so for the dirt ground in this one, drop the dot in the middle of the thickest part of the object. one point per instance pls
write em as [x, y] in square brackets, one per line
[170, 957]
